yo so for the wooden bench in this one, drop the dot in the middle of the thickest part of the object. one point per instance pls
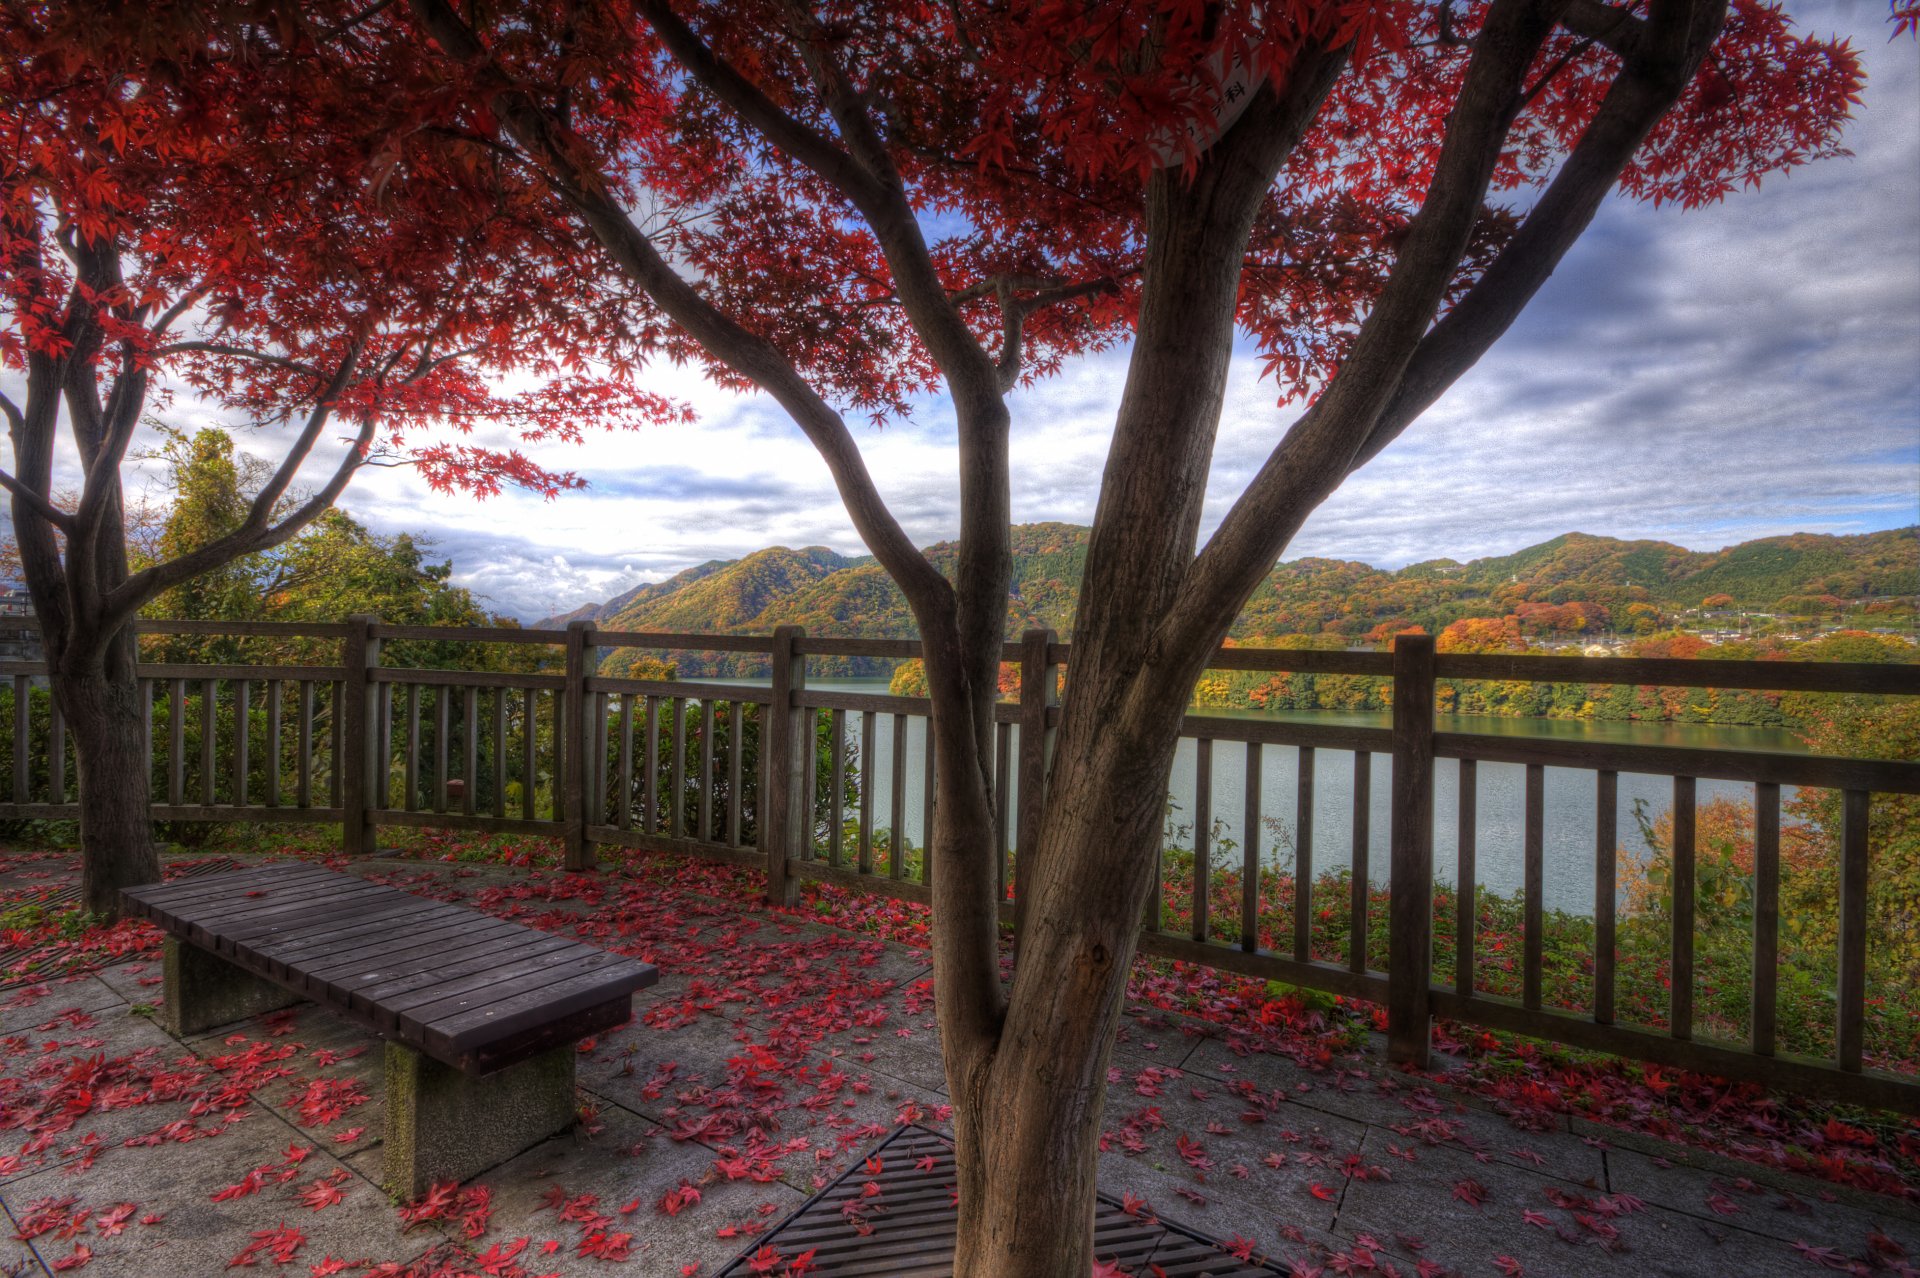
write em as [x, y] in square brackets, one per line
[480, 1015]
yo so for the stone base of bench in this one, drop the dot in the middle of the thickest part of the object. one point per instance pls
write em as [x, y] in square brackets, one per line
[202, 990]
[445, 1125]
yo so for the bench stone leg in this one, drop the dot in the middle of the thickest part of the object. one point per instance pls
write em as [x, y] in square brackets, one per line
[202, 990]
[445, 1125]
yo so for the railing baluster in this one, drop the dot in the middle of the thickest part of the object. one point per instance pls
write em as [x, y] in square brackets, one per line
[209, 738]
[177, 742]
[867, 779]
[1466, 905]
[303, 780]
[706, 769]
[1303, 859]
[274, 693]
[927, 793]
[242, 730]
[736, 752]
[1681, 974]
[596, 813]
[837, 788]
[336, 709]
[530, 753]
[470, 734]
[410, 775]
[1361, 879]
[677, 808]
[146, 738]
[1534, 872]
[1766, 915]
[623, 798]
[383, 746]
[1856, 808]
[1202, 835]
[897, 776]
[57, 755]
[1250, 856]
[650, 796]
[810, 784]
[22, 724]
[1002, 810]
[499, 752]
[442, 747]
[1606, 843]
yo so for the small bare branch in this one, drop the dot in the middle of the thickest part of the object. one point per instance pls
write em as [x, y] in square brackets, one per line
[241, 352]
[38, 504]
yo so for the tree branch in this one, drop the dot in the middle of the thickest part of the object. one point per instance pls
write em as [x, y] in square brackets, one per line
[1607, 25]
[242, 352]
[1315, 453]
[250, 538]
[1643, 91]
[40, 505]
[751, 355]
[815, 150]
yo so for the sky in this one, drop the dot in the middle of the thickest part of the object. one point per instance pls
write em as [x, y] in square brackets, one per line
[1703, 378]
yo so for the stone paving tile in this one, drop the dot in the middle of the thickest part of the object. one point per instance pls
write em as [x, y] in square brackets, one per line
[1222, 1215]
[17, 1260]
[1283, 1158]
[1419, 1204]
[630, 1161]
[85, 993]
[197, 1237]
[1800, 1215]
[336, 1054]
[128, 1038]
[136, 982]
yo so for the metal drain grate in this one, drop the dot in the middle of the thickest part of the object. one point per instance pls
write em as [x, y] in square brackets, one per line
[12, 957]
[911, 1224]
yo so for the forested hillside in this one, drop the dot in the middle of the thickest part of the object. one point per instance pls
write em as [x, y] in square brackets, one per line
[1576, 585]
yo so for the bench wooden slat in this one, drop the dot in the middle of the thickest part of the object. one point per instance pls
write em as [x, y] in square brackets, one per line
[476, 992]
[277, 944]
[389, 996]
[291, 919]
[512, 1042]
[375, 942]
[429, 1003]
[214, 887]
[478, 1030]
[254, 900]
[311, 905]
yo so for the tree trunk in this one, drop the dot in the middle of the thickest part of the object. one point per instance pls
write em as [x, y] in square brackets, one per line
[1030, 1120]
[105, 713]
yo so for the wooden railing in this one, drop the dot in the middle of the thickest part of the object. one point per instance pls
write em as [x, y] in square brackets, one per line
[734, 772]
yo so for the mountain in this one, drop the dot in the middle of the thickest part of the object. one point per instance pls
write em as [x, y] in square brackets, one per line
[1619, 584]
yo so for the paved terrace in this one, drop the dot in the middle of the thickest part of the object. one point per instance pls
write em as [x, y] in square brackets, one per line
[773, 1052]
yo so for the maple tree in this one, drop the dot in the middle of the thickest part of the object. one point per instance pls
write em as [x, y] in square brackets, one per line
[845, 204]
[178, 215]
[849, 204]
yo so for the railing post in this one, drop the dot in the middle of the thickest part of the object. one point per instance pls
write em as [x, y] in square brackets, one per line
[784, 811]
[1039, 691]
[361, 652]
[572, 740]
[1410, 913]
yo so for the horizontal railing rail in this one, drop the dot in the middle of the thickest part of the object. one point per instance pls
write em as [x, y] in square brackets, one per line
[819, 784]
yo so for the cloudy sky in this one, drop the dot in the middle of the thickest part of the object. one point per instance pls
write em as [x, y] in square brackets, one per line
[1703, 378]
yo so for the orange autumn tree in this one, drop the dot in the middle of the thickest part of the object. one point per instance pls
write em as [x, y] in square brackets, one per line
[181, 217]
[845, 204]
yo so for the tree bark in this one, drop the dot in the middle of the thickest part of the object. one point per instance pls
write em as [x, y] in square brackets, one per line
[105, 713]
[1026, 1127]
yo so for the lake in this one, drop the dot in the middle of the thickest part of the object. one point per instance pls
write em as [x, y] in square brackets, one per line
[1569, 792]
